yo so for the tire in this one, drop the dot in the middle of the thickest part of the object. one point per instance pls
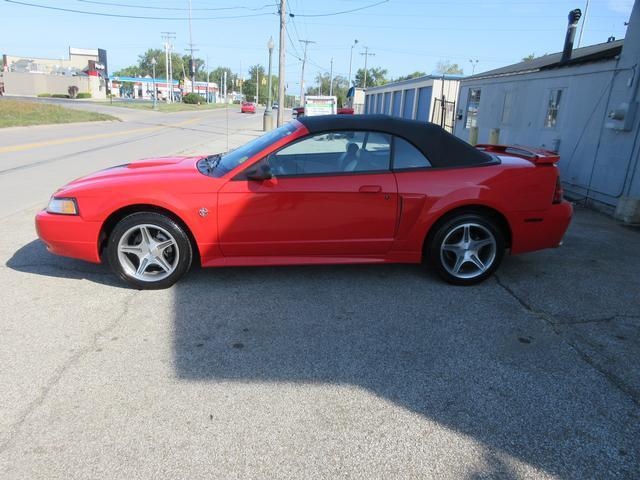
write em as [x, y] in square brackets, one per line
[466, 249]
[149, 251]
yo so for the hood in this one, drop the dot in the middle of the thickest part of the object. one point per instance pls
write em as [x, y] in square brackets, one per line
[145, 168]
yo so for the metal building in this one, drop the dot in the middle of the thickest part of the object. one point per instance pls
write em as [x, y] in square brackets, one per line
[582, 103]
[420, 98]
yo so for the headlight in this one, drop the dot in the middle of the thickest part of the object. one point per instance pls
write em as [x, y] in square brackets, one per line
[63, 206]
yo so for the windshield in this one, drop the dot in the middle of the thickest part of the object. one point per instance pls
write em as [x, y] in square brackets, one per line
[231, 160]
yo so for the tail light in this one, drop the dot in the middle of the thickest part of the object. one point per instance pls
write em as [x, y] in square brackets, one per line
[557, 192]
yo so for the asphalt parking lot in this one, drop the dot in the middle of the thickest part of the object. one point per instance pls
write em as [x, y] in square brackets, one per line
[319, 372]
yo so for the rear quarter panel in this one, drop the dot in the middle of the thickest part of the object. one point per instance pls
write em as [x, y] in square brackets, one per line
[516, 188]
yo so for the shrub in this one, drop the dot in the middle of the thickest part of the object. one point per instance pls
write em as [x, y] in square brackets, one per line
[59, 95]
[83, 95]
[73, 91]
[192, 98]
[44, 95]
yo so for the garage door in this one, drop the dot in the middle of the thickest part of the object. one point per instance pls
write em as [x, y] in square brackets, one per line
[387, 103]
[424, 102]
[397, 103]
[409, 97]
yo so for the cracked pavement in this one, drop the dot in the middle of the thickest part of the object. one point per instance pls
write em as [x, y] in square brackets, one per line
[361, 371]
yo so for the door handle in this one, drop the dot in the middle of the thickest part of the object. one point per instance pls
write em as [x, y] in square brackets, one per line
[370, 189]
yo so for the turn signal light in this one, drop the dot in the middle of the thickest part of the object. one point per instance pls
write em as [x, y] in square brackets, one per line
[558, 192]
[62, 206]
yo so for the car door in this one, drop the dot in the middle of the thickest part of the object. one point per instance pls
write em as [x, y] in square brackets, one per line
[330, 194]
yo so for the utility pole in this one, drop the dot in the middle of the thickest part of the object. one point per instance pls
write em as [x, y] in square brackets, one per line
[355, 42]
[584, 21]
[331, 79]
[304, 60]
[155, 90]
[366, 56]
[167, 37]
[225, 86]
[192, 67]
[207, 67]
[281, 51]
[257, 83]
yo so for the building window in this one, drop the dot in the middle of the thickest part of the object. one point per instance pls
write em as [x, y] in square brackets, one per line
[553, 107]
[473, 103]
[506, 107]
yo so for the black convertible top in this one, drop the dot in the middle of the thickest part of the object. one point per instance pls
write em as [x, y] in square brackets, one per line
[439, 146]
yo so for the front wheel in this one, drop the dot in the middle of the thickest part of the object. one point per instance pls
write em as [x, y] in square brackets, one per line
[466, 249]
[149, 251]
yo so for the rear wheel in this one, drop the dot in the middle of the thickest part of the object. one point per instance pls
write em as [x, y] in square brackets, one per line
[149, 251]
[466, 249]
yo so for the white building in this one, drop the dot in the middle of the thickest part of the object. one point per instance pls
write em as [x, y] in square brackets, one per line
[585, 107]
[420, 98]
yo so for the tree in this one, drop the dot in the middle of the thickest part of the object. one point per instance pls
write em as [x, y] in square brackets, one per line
[217, 75]
[144, 67]
[529, 57]
[249, 86]
[415, 74]
[446, 67]
[375, 77]
[340, 87]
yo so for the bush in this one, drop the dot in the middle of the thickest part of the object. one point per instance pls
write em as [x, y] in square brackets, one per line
[44, 95]
[59, 95]
[83, 95]
[73, 91]
[192, 98]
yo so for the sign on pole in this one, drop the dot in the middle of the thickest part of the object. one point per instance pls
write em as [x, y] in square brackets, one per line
[320, 105]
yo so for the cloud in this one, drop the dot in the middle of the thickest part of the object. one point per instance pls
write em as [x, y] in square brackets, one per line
[621, 6]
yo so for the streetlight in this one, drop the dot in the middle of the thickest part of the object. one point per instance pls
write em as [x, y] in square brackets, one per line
[153, 65]
[473, 65]
[355, 42]
[267, 123]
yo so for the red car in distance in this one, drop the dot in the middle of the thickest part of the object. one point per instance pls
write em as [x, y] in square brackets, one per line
[329, 189]
[248, 107]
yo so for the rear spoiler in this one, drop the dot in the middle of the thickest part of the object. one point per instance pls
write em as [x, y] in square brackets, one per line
[539, 156]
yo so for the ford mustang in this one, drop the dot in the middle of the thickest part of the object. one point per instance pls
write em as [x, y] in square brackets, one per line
[318, 190]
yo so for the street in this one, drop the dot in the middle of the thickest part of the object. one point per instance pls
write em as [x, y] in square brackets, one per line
[378, 371]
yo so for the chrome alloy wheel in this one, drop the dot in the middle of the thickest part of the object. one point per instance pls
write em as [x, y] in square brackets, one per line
[468, 250]
[148, 253]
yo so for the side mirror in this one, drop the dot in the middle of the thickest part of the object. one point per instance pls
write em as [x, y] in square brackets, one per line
[259, 172]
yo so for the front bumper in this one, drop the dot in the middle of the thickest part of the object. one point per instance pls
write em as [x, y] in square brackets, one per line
[69, 235]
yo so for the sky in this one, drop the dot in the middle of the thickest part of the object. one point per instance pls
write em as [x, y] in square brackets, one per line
[403, 35]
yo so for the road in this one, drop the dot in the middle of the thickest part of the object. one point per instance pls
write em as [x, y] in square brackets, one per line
[304, 372]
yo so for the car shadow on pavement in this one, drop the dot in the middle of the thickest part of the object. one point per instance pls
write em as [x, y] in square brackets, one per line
[34, 258]
[470, 359]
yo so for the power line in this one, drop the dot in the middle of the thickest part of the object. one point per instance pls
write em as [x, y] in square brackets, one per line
[150, 7]
[116, 15]
[342, 12]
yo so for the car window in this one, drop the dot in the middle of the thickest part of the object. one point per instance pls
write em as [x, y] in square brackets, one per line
[334, 152]
[405, 155]
[231, 160]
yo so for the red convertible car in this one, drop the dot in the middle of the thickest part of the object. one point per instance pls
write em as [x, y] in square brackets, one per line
[318, 190]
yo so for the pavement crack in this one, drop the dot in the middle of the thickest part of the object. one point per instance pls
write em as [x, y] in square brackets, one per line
[613, 379]
[610, 318]
[57, 376]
